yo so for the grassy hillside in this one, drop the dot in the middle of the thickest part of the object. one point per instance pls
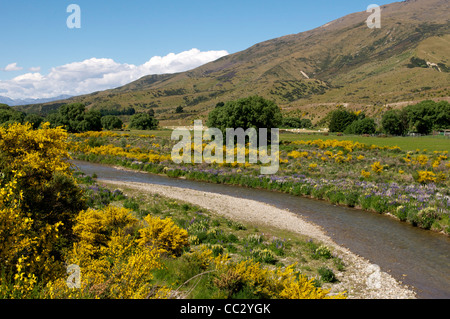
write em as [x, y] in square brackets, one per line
[341, 62]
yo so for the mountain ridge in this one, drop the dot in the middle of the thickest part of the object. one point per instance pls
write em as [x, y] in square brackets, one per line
[18, 102]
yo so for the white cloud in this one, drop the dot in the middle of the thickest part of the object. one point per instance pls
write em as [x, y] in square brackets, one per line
[12, 67]
[35, 69]
[100, 74]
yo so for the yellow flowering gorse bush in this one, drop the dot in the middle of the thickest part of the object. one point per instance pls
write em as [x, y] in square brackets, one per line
[114, 262]
[163, 235]
[29, 160]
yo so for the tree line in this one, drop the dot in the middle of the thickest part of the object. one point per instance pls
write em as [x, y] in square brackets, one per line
[254, 111]
[75, 118]
[421, 118]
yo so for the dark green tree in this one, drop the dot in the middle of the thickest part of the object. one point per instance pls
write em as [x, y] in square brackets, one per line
[340, 119]
[295, 122]
[10, 115]
[74, 118]
[34, 119]
[179, 109]
[111, 122]
[421, 117]
[291, 122]
[306, 123]
[417, 62]
[394, 122]
[363, 126]
[143, 121]
[442, 115]
[92, 121]
[252, 112]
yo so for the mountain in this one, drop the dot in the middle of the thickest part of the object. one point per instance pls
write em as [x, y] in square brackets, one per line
[16, 102]
[341, 62]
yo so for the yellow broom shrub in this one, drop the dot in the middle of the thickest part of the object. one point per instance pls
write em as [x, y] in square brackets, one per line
[279, 283]
[164, 235]
[113, 264]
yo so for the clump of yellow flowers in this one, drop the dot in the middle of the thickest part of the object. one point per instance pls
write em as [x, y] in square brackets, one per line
[377, 167]
[426, 177]
[114, 260]
[29, 160]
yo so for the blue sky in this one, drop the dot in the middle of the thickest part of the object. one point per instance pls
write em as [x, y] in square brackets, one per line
[35, 37]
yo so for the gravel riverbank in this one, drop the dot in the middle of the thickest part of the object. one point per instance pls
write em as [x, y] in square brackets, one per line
[361, 279]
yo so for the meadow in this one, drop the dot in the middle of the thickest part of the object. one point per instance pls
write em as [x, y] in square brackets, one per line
[409, 143]
[407, 182]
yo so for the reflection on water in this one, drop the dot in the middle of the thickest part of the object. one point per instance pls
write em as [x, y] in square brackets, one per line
[396, 247]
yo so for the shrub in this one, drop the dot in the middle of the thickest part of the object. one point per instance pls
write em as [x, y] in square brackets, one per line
[425, 177]
[352, 199]
[394, 122]
[131, 203]
[34, 119]
[179, 109]
[253, 281]
[94, 228]
[217, 250]
[111, 122]
[364, 126]
[322, 252]
[295, 122]
[8, 115]
[74, 118]
[143, 121]
[340, 119]
[417, 62]
[255, 239]
[326, 274]
[252, 112]
[109, 256]
[264, 256]
[163, 234]
[428, 115]
[427, 216]
[229, 283]
[38, 201]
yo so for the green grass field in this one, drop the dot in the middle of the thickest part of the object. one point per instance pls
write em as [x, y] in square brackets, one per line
[409, 143]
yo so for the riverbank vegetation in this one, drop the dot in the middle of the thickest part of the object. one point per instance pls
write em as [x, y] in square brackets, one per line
[411, 185]
[53, 220]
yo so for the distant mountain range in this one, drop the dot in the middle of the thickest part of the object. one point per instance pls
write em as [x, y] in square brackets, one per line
[309, 73]
[15, 102]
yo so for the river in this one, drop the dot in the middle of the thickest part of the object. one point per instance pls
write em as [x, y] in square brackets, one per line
[417, 257]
